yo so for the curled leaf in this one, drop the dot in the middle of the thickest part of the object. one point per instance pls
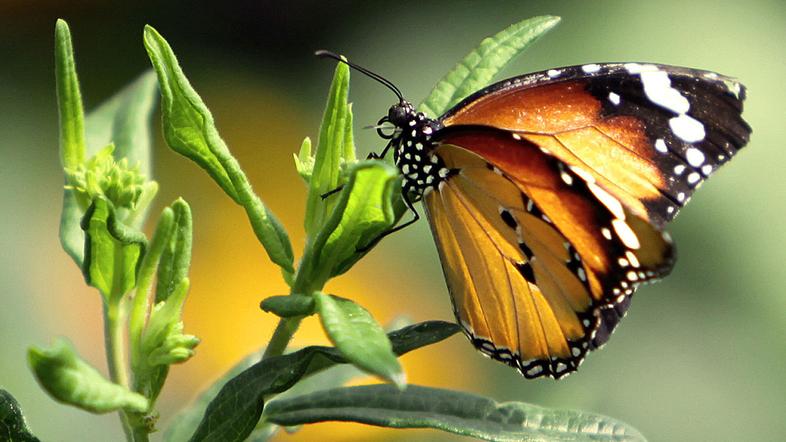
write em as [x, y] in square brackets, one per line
[113, 251]
[176, 256]
[69, 379]
[365, 209]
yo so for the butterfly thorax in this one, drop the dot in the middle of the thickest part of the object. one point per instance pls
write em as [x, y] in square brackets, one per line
[413, 150]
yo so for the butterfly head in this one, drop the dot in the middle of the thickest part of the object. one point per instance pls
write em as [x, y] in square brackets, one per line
[401, 113]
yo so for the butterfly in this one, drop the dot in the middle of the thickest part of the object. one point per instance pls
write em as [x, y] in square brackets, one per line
[548, 194]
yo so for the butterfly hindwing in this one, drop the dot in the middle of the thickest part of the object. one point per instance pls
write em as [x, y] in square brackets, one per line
[534, 278]
[650, 134]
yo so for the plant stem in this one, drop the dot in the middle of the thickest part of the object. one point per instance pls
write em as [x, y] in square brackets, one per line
[113, 340]
[287, 327]
[281, 337]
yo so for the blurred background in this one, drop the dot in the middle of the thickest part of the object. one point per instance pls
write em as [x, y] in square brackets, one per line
[701, 356]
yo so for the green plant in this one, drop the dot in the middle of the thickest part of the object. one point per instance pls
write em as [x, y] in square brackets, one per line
[106, 162]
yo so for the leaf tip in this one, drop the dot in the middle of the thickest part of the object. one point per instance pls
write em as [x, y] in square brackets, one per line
[399, 379]
[61, 25]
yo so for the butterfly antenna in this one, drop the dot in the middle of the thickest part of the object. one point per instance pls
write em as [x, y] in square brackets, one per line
[342, 59]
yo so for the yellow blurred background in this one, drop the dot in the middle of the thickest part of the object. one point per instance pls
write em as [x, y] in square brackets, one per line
[700, 356]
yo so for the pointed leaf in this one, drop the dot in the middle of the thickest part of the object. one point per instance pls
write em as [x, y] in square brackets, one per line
[113, 251]
[141, 302]
[176, 257]
[13, 427]
[480, 66]
[69, 379]
[359, 337]
[234, 412]
[460, 413]
[333, 147]
[188, 124]
[69, 100]
[189, 129]
[72, 137]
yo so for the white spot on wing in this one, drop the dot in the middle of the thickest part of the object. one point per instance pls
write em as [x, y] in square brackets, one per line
[553, 73]
[614, 98]
[632, 258]
[590, 68]
[626, 234]
[657, 87]
[687, 128]
[611, 203]
[660, 146]
[694, 156]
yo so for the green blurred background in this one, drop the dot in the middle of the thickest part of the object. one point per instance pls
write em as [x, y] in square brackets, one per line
[700, 356]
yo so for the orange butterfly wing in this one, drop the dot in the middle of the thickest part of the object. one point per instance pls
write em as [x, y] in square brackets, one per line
[540, 260]
[650, 134]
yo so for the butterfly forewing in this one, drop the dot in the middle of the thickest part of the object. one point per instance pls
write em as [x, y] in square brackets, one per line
[649, 134]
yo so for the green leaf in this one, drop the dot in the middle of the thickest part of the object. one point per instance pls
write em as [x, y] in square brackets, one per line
[72, 238]
[456, 412]
[113, 251]
[480, 66]
[72, 137]
[185, 422]
[234, 412]
[334, 148]
[141, 302]
[289, 306]
[304, 161]
[73, 147]
[359, 337]
[189, 129]
[69, 379]
[365, 209]
[176, 257]
[13, 427]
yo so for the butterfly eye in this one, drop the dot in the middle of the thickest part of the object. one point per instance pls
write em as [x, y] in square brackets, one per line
[381, 129]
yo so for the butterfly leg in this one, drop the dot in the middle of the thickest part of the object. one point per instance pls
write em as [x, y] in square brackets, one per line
[395, 229]
[374, 156]
[331, 192]
[371, 156]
